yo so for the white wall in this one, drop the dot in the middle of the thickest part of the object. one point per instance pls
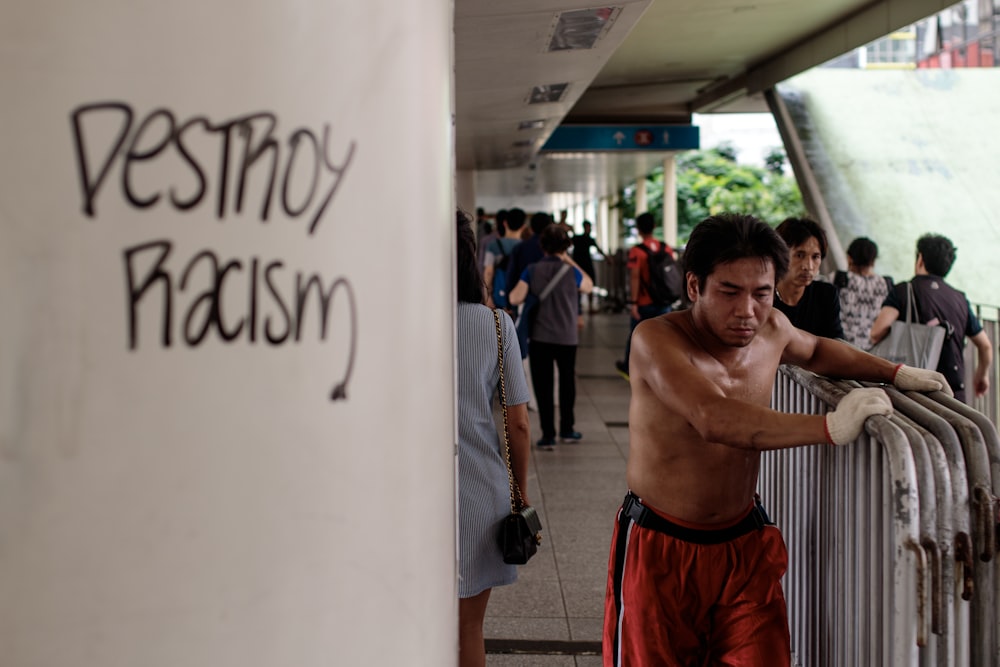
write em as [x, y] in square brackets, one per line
[205, 501]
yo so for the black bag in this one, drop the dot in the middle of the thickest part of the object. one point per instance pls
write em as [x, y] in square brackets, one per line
[666, 280]
[521, 531]
[520, 535]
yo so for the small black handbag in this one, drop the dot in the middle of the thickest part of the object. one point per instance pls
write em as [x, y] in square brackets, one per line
[520, 536]
[521, 531]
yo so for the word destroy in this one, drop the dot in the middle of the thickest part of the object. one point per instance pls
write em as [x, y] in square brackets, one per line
[245, 149]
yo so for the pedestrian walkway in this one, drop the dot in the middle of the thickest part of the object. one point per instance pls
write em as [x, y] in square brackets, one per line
[553, 615]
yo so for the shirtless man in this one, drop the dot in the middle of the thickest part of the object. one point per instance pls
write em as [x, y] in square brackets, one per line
[695, 563]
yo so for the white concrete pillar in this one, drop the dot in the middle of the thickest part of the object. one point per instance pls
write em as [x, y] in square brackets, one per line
[670, 200]
[602, 223]
[615, 225]
[465, 191]
[641, 200]
[211, 449]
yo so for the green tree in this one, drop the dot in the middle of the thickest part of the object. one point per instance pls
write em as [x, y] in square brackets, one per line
[711, 181]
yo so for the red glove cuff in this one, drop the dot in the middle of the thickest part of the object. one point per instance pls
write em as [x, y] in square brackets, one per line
[896, 371]
[826, 430]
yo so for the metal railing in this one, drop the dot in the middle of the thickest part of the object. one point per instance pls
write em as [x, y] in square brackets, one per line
[892, 540]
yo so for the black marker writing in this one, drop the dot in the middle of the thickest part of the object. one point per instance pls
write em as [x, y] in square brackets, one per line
[286, 306]
[246, 146]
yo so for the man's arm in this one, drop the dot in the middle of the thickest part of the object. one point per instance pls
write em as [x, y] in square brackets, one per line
[834, 358]
[593, 243]
[517, 295]
[984, 359]
[664, 354]
[882, 323]
[633, 276]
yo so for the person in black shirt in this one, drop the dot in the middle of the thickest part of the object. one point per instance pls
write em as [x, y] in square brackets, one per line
[940, 303]
[582, 243]
[810, 305]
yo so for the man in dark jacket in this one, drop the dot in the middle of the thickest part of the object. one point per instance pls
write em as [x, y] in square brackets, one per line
[528, 251]
[940, 303]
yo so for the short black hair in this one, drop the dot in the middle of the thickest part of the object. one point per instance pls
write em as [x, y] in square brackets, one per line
[645, 223]
[796, 231]
[554, 240]
[862, 251]
[938, 253]
[470, 280]
[726, 237]
[539, 221]
[515, 219]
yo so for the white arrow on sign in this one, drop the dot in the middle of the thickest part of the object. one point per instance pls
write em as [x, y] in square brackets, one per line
[619, 137]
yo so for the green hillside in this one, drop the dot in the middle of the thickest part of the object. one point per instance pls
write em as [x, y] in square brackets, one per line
[901, 153]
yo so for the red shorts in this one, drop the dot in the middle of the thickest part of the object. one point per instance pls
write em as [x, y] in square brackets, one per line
[682, 594]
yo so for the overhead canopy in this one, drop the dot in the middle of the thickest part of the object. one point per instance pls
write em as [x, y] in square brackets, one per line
[523, 67]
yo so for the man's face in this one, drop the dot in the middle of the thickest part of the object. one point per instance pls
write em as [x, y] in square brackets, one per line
[737, 297]
[804, 262]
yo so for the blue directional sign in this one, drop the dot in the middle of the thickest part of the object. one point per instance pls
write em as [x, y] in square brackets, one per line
[623, 138]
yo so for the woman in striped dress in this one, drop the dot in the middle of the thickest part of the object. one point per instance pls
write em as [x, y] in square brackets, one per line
[483, 488]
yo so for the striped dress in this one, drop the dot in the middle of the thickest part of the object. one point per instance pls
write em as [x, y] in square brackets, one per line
[483, 491]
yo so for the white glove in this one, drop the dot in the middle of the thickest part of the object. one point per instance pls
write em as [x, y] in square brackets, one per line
[909, 378]
[844, 424]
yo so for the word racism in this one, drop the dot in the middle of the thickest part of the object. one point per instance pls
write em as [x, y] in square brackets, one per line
[251, 138]
[234, 299]
[148, 276]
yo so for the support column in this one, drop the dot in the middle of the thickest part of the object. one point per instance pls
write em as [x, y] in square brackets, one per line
[602, 223]
[465, 190]
[200, 449]
[670, 200]
[641, 200]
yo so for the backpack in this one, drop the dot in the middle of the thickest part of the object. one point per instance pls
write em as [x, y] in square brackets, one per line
[666, 281]
[504, 257]
[500, 277]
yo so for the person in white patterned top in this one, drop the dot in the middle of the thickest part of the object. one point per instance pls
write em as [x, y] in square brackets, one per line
[862, 292]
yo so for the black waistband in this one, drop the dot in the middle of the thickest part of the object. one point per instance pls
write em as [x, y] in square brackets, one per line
[633, 508]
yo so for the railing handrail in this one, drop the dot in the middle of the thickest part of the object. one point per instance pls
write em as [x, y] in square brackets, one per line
[911, 507]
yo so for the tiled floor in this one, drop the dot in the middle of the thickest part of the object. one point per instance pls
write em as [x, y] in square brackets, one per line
[577, 488]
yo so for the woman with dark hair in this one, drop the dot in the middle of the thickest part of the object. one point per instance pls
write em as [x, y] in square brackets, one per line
[861, 292]
[483, 487]
[810, 305]
[554, 334]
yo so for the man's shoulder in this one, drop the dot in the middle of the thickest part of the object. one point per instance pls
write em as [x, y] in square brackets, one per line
[823, 291]
[674, 325]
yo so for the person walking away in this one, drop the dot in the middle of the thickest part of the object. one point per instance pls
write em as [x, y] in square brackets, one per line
[530, 250]
[940, 303]
[695, 565]
[482, 221]
[497, 232]
[483, 486]
[641, 304]
[582, 243]
[861, 292]
[497, 259]
[809, 304]
[554, 334]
